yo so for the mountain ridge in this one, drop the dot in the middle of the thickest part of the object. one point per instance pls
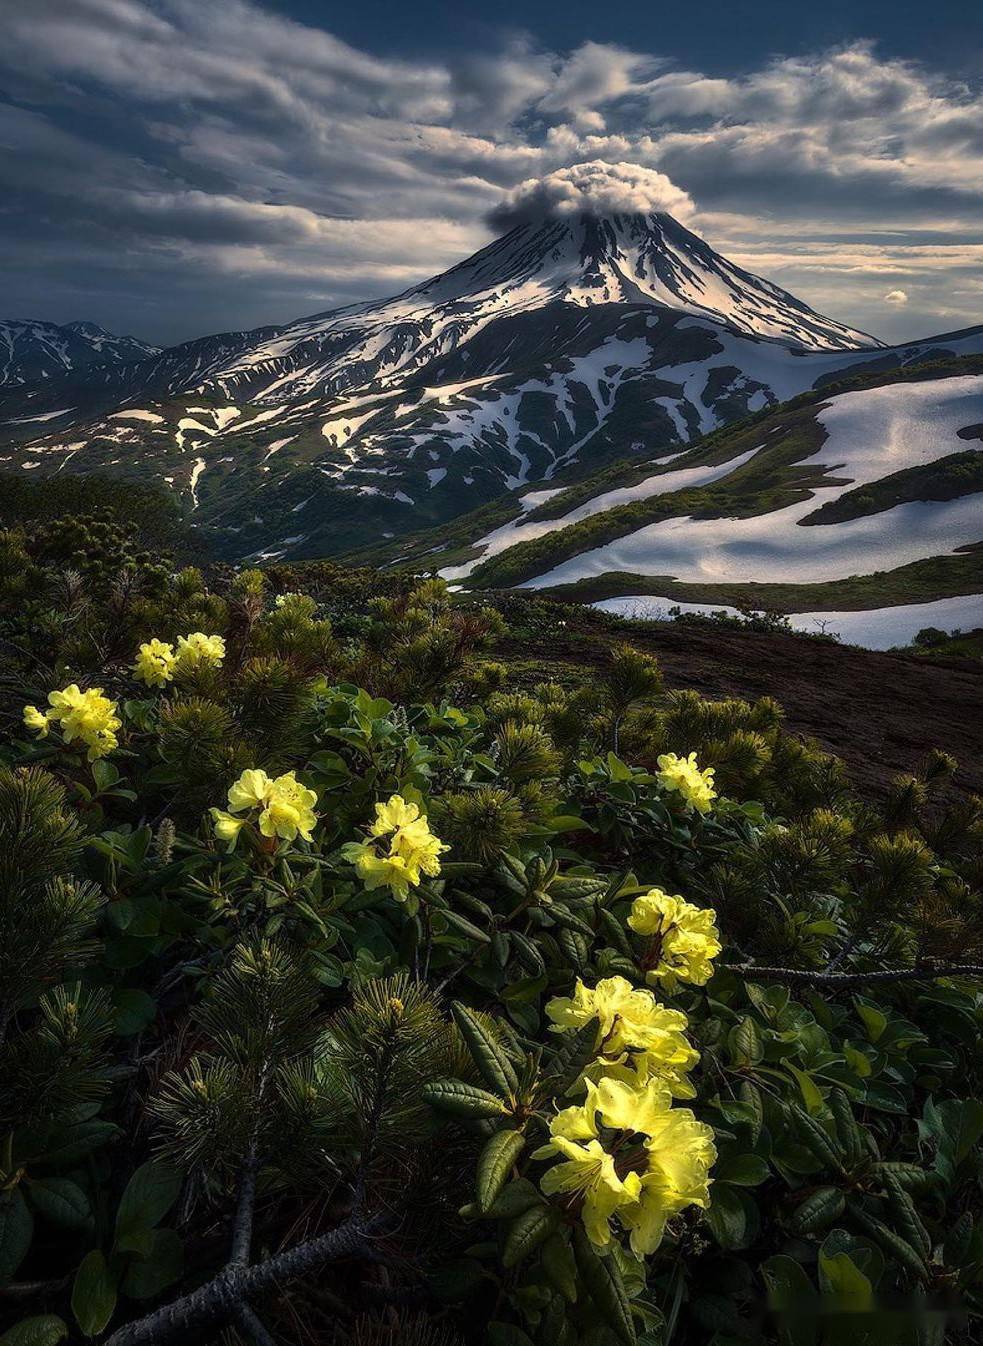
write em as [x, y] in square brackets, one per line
[32, 349]
[560, 347]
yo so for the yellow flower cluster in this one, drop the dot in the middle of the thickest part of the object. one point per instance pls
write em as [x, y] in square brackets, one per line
[626, 1153]
[155, 663]
[629, 1021]
[684, 776]
[198, 650]
[400, 849]
[89, 716]
[280, 808]
[685, 939]
[157, 660]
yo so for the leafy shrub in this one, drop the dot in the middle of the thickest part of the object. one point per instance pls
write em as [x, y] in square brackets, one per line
[353, 995]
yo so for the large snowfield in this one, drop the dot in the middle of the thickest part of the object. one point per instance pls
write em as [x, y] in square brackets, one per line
[872, 433]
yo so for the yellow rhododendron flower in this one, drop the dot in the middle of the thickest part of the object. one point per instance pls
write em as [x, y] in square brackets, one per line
[685, 938]
[627, 1018]
[628, 1154]
[250, 791]
[155, 663]
[289, 810]
[400, 850]
[37, 720]
[634, 1106]
[684, 776]
[283, 807]
[227, 828]
[590, 1172]
[200, 651]
[679, 1154]
[381, 871]
[393, 814]
[670, 1066]
[89, 716]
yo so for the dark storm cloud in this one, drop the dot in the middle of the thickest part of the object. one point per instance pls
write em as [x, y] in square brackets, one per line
[172, 167]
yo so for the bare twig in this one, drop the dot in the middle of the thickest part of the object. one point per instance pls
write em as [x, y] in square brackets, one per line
[844, 980]
[251, 1325]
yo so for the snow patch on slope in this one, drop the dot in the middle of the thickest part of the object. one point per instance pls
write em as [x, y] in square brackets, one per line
[873, 628]
[871, 433]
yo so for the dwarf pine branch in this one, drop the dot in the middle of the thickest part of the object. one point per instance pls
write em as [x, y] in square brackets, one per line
[220, 1300]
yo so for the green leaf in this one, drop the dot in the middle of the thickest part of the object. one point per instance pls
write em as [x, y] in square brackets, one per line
[495, 1163]
[462, 1100]
[574, 1055]
[815, 1136]
[147, 1198]
[465, 927]
[61, 1201]
[958, 1240]
[893, 1244]
[104, 774]
[93, 1294]
[16, 1230]
[135, 1010]
[907, 1219]
[527, 952]
[789, 1286]
[506, 1334]
[732, 1217]
[560, 1266]
[517, 1197]
[751, 1096]
[487, 1052]
[840, 1277]
[811, 1093]
[746, 1046]
[527, 1232]
[874, 1020]
[792, 1296]
[955, 1126]
[161, 1267]
[569, 921]
[818, 1210]
[567, 822]
[743, 1170]
[603, 1282]
[847, 1129]
[615, 931]
[71, 1143]
[47, 1330]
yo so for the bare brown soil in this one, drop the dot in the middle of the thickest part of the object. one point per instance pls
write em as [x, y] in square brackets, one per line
[880, 712]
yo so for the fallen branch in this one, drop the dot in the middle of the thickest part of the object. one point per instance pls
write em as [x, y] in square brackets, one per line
[222, 1299]
[843, 980]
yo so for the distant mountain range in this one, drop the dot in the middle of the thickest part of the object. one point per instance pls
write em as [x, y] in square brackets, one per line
[566, 349]
[32, 350]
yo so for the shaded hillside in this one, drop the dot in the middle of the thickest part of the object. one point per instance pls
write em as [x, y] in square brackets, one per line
[857, 703]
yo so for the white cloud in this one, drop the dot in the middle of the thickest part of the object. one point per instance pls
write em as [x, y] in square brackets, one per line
[896, 297]
[252, 143]
[594, 188]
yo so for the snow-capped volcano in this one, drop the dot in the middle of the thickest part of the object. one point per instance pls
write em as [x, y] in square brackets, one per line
[567, 344]
[631, 259]
[639, 260]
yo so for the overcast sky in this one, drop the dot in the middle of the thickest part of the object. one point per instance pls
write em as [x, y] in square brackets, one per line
[176, 167]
